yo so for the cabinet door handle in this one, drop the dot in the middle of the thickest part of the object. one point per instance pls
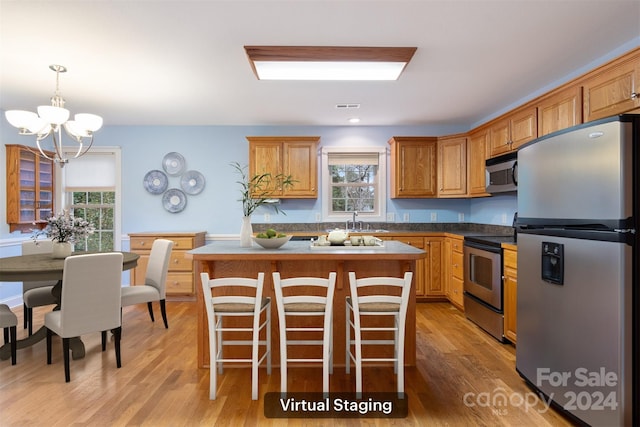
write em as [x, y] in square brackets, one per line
[634, 95]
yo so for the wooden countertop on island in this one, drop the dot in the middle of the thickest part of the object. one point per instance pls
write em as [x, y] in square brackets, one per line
[297, 258]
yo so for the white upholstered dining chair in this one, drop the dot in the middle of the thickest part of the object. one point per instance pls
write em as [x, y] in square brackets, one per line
[8, 323]
[38, 293]
[375, 297]
[308, 297]
[90, 302]
[154, 288]
[237, 297]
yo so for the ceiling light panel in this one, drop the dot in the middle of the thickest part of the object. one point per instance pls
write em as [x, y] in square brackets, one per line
[328, 63]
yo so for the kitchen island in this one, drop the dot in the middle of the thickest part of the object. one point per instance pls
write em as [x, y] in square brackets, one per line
[298, 258]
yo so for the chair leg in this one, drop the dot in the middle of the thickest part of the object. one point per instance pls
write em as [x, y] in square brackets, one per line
[213, 359]
[117, 334]
[254, 360]
[30, 320]
[49, 333]
[104, 340]
[163, 310]
[150, 307]
[24, 316]
[65, 354]
[14, 344]
[6, 335]
[268, 327]
[347, 332]
[283, 359]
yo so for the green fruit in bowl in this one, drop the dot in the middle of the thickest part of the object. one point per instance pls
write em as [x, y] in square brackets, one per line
[282, 235]
[261, 236]
[271, 233]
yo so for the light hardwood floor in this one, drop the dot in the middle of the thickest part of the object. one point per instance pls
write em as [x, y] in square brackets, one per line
[160, 385]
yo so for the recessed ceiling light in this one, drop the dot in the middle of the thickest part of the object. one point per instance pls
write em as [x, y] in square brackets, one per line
[328, 62]
[354, 120]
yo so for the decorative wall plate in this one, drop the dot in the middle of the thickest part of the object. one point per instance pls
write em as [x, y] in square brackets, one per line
[174, 200]
[192, 182]
[173, 163]
[155, 182]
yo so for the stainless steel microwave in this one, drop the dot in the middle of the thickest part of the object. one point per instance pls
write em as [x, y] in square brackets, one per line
[501, 173]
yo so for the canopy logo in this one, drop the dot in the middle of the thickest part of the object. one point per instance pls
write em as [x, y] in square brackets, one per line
[499, 400]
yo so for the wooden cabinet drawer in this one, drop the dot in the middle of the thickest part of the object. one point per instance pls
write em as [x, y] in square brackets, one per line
[510, 258]
[181, 243]
[179, 283]
[456, 245]
[416, 242]
[456, 292]
[457, 262]
[178, 262]
[142, 243]
[145, 242]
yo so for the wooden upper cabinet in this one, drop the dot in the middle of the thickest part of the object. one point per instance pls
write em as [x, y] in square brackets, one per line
[30, 188]
[413, 166]
[452, 166]
[513, 130]
[613, 90]
[560, 110]
[301, 162]
[296, 156]
[477, 146]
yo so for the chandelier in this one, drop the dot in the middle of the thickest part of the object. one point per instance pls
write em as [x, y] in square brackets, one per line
[50, 120]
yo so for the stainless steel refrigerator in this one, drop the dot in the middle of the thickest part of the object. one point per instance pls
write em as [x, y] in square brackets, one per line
[578, 263]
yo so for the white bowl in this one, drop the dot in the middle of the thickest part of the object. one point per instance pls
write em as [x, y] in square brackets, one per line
[273, 243]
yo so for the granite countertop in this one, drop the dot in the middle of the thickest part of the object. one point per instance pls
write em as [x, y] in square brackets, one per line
[297, 250]
[459, 228]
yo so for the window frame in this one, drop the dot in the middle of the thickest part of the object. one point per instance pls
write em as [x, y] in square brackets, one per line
[65, 196]
[380, 213]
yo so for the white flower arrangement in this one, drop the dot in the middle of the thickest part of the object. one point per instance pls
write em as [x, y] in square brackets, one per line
[65, 228]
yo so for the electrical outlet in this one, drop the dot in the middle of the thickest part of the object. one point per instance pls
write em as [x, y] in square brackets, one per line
[461, 217]
[405, 217]
[318, 217]
[391, 217]
[267, 217]
[434, 216]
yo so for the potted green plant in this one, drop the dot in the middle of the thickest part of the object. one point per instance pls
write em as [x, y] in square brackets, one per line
[257, 191]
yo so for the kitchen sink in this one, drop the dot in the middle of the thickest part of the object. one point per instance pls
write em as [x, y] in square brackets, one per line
[361, 230]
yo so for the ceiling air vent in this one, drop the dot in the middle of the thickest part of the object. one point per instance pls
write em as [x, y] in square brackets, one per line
[347, 106]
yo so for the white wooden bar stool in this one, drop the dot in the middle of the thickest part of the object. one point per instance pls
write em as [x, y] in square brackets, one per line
[224, 297]
[306, 297]
[375, 296]
[9, 322]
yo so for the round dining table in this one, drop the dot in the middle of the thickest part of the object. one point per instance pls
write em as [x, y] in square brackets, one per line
[37, 267]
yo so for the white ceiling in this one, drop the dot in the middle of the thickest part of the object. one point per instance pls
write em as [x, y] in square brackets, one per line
[168, 62]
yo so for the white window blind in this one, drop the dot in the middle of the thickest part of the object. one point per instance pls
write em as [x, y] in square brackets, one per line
[352, 159]
[92, 171]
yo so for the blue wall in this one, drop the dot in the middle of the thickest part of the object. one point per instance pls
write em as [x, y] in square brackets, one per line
[210, 150]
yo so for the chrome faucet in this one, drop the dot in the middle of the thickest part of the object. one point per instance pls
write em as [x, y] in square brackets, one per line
[353, 221]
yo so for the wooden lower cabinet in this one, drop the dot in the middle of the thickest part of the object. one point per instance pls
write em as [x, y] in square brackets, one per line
[454, 270]
[419, 279]
[510, 277]
[181, 275]
[434, 285]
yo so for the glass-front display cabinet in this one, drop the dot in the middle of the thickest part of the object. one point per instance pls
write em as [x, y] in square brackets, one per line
[30, 188]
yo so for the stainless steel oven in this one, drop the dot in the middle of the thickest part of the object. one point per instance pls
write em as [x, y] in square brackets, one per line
[483, 300]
